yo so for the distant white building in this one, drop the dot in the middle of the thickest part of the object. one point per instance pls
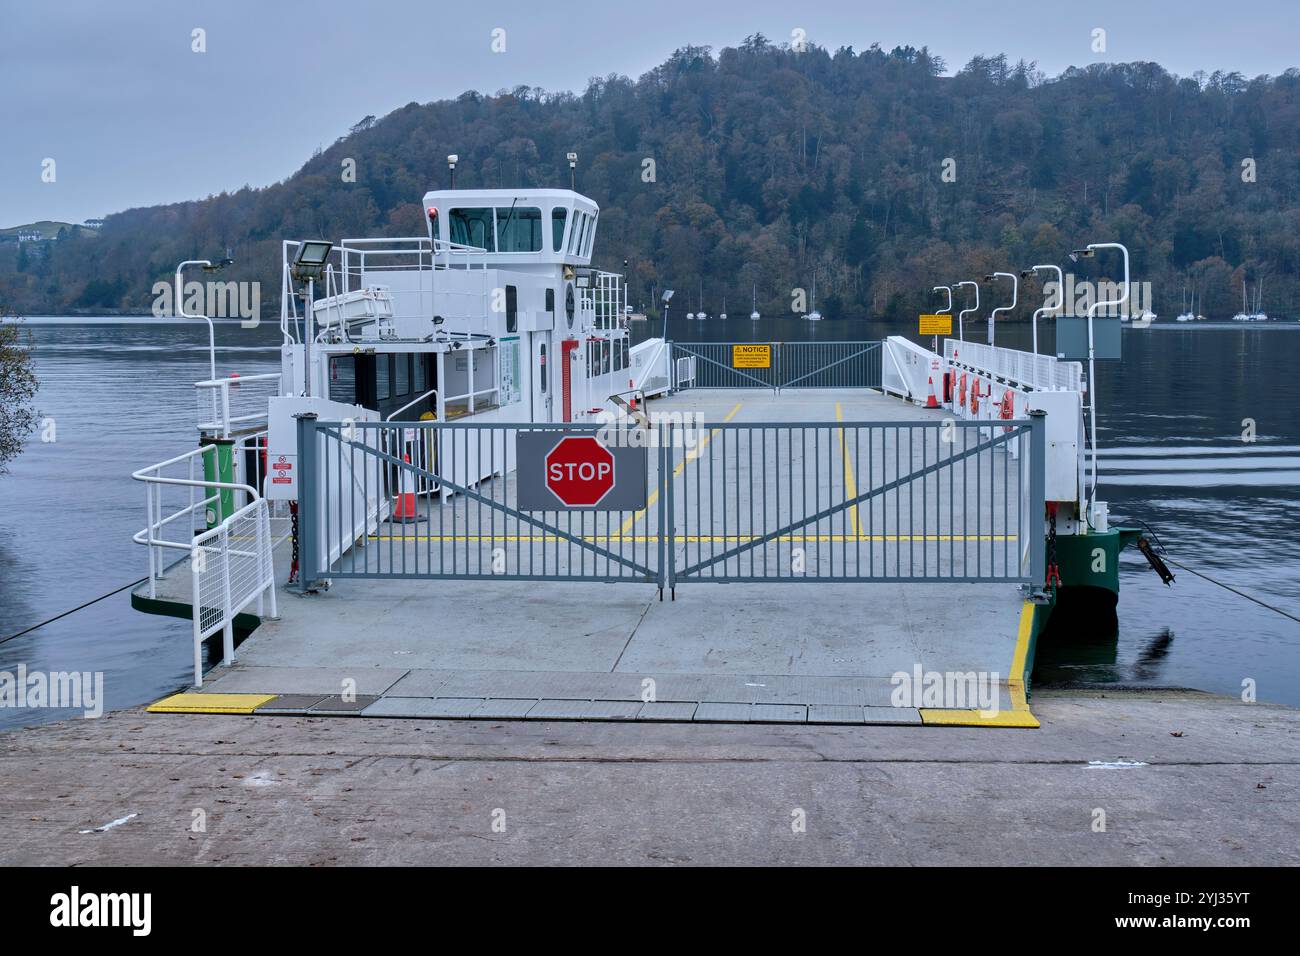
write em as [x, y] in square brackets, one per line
[30, 236]
[93, 223]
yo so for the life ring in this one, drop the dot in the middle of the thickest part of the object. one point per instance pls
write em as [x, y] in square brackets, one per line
[975, 396]
[961, 392]
[1007, 408]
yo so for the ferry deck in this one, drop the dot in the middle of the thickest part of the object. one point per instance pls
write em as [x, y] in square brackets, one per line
[787, 652]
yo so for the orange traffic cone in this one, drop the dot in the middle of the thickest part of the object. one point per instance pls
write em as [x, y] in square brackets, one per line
[933, 400]
[406, 511]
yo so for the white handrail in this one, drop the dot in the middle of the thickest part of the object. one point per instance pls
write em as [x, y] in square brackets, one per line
[414, 401]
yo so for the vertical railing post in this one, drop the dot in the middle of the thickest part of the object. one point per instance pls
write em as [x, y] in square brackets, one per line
[660, 492]
[227, 599]
[195, 598]
[667, 522]
[268, 557]
[1037, 501]
[308, 501]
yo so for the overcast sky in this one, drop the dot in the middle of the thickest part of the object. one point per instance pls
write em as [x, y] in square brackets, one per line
[114, 94]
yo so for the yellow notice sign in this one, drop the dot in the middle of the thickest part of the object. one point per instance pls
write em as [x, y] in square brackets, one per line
[751, 356]
[936, 325]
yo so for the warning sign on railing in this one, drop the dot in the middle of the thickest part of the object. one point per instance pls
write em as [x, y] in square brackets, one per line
[936, 325]
[751, 356]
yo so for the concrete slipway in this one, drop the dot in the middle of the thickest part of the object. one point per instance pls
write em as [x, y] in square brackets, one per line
[818, 653]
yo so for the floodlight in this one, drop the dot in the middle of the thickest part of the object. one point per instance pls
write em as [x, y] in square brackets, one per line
[311, 259]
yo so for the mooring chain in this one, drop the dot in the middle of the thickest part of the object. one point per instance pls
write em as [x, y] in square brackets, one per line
[293, 524]
[1053, 572]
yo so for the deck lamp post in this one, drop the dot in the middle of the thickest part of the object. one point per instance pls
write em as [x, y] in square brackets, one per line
[452, 160]
[962, 314]
[944, 311]
[1088, 252]
[208, 266]
[1060, 296]
[308, 266]
[668, 294]
[1015, 286]
[573, 171]
[947, 310]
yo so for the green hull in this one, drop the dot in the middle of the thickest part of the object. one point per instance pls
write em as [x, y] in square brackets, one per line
[1084, 604]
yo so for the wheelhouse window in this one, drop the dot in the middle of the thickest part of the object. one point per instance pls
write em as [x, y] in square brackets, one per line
[558, 218]
[591, 234]
[472, 227]
[574, 230]
[519, 229]
[582, 234]
[383, 377]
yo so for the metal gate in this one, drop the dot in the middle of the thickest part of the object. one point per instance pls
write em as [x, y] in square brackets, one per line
[733, 502]
[788, 364]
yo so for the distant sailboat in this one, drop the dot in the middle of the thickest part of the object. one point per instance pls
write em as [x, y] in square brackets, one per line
[1259, 315]
[723, 314]
[754, 305]
[1242, 316]
[814, 315]
[1187, 315]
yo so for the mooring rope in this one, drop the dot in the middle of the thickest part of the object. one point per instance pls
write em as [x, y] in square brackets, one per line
[73, 610]
[1229, 587]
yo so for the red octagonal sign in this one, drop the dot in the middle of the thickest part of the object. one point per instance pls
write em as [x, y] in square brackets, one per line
[580, 471]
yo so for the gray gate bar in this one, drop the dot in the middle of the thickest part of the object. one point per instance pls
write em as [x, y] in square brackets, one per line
[940, 500]
[793, 365]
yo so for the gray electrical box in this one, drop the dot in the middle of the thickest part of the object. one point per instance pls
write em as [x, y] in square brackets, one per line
[1072, 338]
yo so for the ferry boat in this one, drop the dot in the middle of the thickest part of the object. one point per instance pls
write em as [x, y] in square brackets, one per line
[465, 406]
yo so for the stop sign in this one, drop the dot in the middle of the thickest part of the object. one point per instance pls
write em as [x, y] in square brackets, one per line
[580, 471]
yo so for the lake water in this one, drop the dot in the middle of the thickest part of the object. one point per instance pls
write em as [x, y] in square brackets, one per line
[120, 395]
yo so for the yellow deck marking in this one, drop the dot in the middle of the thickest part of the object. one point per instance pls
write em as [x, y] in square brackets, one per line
[850, 486]
[190, 702]
[1018, 715]
[690, 457]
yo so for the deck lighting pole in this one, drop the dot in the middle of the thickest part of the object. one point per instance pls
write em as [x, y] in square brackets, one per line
[208, 266]
[1060, 297]
[573, 171]
[961, 326]
[1015, 286]
[944, 311]
[308, 266]
[1088, 252]
[668, 294]
[452, 160]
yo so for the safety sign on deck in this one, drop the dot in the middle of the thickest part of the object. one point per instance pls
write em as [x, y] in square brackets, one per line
[936, 325]
[568, 472]
[751, 356]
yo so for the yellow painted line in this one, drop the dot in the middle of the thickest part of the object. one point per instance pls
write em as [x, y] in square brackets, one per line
[190, 702]
[654, 538]
[1018, 715]
[690, 457]
[850, 485]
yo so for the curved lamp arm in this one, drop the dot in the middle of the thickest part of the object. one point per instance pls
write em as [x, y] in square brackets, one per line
[975, 308]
